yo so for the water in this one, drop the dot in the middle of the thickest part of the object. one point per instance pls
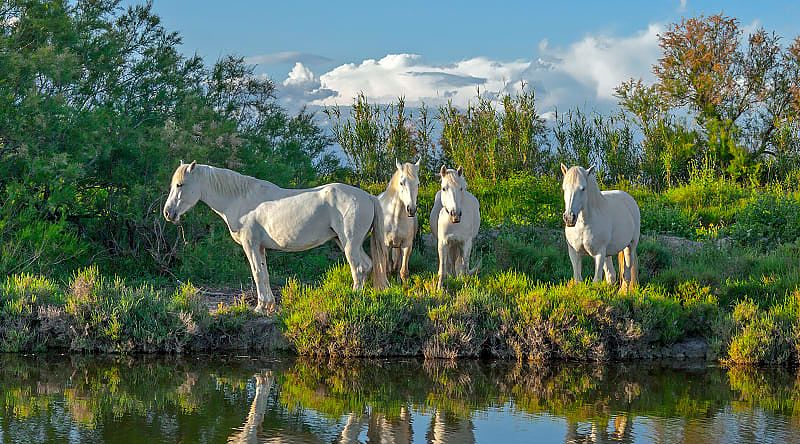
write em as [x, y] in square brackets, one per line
[208, 399]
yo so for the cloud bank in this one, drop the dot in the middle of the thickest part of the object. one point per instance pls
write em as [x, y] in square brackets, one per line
[583, 73]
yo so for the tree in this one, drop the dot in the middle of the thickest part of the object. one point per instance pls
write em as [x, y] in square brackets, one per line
[737, 90]
[97, 105]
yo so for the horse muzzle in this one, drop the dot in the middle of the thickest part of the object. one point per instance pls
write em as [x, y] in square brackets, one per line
[412, 211]
[570, 219]
[171, 216]
[455, 217]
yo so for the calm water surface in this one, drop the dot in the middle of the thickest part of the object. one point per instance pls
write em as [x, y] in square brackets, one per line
[218, 399]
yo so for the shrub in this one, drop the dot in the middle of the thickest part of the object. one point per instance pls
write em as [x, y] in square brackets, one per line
[765, 336]
[767, 221]
[111, 316]
[25, 302]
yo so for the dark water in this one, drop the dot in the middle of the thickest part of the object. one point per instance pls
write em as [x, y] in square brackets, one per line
[209, 399]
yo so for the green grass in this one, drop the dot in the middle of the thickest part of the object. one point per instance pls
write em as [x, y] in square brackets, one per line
[97, 313]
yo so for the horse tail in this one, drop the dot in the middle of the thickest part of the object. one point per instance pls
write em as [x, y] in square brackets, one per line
[378, 250]
[634, 268]
[621, 259]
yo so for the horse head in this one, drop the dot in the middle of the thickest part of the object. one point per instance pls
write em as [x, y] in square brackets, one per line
[576, 180]
[452, 194]
[184, 192]
[407, 185]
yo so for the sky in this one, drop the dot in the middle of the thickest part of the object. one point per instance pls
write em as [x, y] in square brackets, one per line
[572, 53]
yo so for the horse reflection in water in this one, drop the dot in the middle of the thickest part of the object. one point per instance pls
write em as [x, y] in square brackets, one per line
[443, 429]
[249, 431]
[597, 433]
[446, 430]
[379, 428]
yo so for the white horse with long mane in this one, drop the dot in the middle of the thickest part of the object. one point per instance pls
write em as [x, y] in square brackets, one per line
[399, 204]
[455, 221]
[600, 224]
[263, 216]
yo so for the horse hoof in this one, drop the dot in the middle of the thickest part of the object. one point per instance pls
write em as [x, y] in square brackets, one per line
[265, 309]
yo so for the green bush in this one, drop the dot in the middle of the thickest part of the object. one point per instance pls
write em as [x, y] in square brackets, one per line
[111, 316]
[27, 307]
[765, 336]
[501, 314]
[767, 221]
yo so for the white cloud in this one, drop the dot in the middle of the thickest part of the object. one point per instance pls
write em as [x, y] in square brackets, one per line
[682, 6]
[583, 73]
[300, 76]
[602, 63]
[301, 87]
[408, 75]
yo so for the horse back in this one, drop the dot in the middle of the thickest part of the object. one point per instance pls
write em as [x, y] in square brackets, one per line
[618, 199]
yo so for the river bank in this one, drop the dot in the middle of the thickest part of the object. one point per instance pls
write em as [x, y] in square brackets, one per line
[505, 315]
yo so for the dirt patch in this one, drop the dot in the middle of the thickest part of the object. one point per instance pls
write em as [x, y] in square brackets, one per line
[215, 298]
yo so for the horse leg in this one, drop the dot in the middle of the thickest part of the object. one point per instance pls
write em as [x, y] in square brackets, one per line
[258, 267]
[626, 276]
[466, 250]
[575, 258]
[360, 264]
[455, 259]
[608, 270]
[443, 262]
[406, 251]
[599, 261]
[396, 260]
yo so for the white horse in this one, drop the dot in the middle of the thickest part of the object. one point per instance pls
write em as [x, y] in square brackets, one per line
[399, 204]
[262, 216]
[455, 220]
[600, 224]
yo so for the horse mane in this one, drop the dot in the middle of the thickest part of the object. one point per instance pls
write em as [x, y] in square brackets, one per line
[226, 182]
[594, 195]
[394, 182]
[454, 178]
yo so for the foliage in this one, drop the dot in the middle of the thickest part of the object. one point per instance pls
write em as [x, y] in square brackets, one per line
[491, 143]
[740, 92]
[503, 314]
[373, 136]
[97, 105]
[605, 142]
[767, 221]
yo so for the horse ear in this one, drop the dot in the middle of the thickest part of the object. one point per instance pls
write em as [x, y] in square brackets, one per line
[417, 163]
[181, 161]
[590, 170]
[191, 166]
[397, 164]
[442, 170]
[563, 169]
[460, 171]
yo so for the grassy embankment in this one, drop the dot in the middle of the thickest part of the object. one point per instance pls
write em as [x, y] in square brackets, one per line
[728, 275]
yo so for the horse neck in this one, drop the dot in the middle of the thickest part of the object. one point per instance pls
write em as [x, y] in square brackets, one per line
[594, 199]
[228, 205]
[390, 197]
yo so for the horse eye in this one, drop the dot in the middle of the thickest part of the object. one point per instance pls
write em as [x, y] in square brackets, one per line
[179, 185]
[583, 188]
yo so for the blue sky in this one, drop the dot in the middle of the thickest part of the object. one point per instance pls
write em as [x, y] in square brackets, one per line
[572, 52]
